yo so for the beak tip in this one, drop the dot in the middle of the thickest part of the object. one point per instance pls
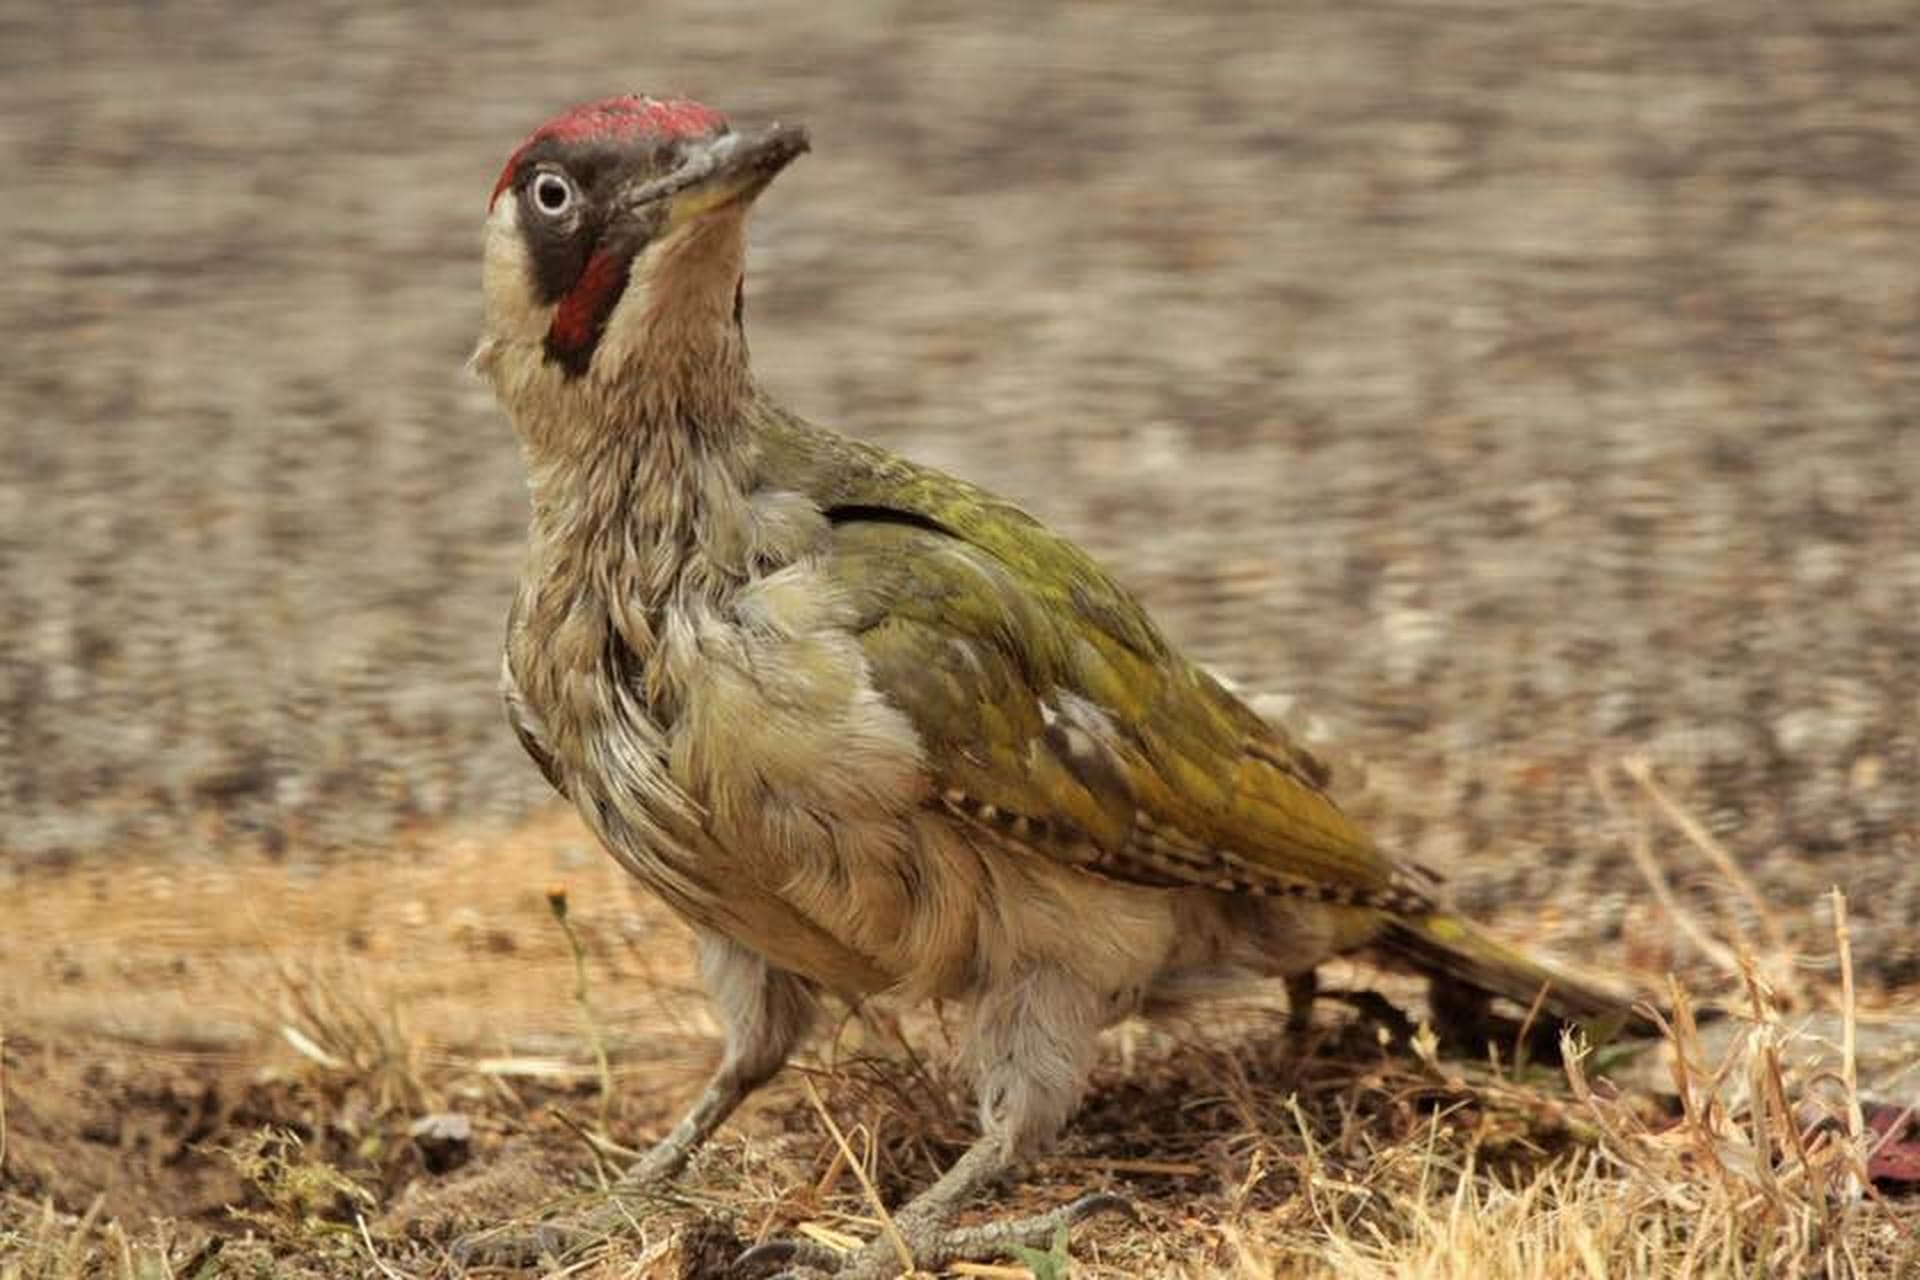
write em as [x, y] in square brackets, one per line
[777, 146]
[792, 139]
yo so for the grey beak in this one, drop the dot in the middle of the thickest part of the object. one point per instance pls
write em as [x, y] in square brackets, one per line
[722, 170]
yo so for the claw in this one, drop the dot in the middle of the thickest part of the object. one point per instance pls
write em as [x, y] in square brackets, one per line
[518, 1246]
[793, 1255]
[555, 1239]
[1097, 1203]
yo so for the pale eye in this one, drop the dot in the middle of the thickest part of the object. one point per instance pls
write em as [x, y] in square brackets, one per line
[552, 194]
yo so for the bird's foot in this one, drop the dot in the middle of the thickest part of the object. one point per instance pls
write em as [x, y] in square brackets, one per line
[567, 1235]
[931, 1244]
[517, 1245]
[614, 1216]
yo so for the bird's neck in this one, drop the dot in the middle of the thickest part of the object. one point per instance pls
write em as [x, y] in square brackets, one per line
[642, 472]
[651, 511]
[640, 469]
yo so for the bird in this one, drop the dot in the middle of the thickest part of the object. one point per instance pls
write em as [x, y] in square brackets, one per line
[870, 730]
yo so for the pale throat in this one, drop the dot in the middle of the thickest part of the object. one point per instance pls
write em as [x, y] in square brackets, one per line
[642, 467]
[671, 363]
[676, 337]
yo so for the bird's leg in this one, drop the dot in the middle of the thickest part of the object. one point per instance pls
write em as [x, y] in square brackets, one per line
[765, 1011]
[1031, 1044]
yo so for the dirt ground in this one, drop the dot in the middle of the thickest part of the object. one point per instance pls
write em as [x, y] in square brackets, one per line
[1516, 388]
[254, 1068]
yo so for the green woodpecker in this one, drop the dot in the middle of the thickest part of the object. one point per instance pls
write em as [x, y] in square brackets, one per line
[867, 728]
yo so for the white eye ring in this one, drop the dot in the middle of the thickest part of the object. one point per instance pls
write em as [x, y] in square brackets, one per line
[552, 194]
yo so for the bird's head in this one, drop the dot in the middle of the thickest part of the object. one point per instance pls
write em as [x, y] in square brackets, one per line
[615, 254]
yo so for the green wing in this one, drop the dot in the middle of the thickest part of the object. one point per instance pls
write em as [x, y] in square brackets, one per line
[1048, 704]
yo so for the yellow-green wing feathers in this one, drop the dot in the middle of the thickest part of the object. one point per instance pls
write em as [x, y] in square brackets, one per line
[1046, 699]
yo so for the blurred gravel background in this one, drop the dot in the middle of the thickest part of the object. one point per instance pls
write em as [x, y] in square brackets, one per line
[1516, 385]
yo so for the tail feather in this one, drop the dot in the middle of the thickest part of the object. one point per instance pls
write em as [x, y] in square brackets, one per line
[1446, 946]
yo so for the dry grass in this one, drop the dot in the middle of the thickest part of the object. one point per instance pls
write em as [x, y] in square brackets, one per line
[330, 1014]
